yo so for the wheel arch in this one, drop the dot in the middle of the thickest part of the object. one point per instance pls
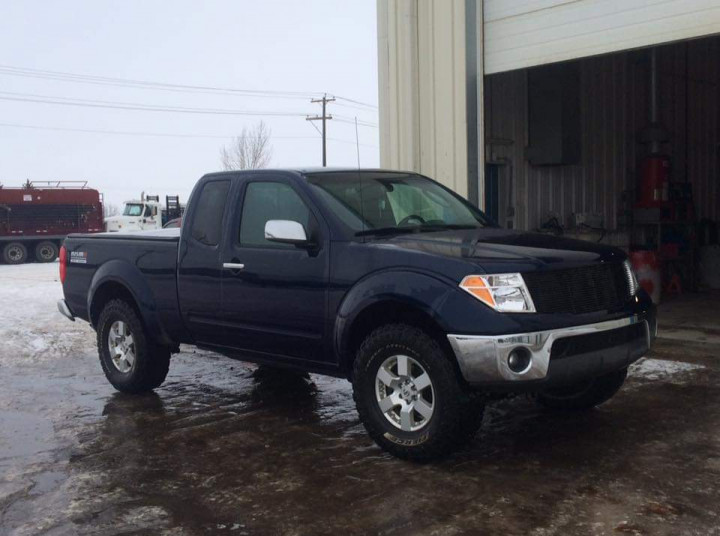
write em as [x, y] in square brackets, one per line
[107, 291]
[120, 280]
[371, 304]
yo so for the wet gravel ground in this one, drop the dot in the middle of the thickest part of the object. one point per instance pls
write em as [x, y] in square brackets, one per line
[225, 448]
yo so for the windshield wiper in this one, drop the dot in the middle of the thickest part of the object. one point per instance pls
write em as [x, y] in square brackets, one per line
[444, 227]
[383, 231]
[426, 228]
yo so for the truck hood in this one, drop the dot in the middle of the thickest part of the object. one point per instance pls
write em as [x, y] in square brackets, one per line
[492, 245]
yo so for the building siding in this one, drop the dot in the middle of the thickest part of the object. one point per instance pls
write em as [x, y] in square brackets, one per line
[421, 58]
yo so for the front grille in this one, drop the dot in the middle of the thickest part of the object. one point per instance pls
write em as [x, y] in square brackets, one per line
[597, 287]
[593, 342]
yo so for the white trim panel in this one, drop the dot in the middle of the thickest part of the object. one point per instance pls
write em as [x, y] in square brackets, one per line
[524, 33]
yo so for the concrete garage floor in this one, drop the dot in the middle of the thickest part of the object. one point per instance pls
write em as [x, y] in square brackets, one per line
[221, 449]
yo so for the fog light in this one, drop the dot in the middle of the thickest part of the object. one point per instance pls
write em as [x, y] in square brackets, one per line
[519, 359]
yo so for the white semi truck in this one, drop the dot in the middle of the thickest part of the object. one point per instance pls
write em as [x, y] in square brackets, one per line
[145, 214]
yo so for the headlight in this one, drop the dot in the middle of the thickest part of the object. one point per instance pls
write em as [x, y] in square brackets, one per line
[506, 293]
[633, 285]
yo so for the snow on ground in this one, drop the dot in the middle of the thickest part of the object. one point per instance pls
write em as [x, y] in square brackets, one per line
[660, 369]
[30, 324]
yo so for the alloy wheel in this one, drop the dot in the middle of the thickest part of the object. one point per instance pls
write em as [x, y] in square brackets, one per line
[122, 346]
[404, 393]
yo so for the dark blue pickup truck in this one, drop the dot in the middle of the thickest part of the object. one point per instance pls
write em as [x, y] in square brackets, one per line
[385, 278]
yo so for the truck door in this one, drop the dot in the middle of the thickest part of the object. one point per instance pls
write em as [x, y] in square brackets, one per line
[275, 295]
[200, 268]
[155, 220]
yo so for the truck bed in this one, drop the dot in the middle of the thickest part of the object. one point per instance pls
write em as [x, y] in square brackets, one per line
[148, 259]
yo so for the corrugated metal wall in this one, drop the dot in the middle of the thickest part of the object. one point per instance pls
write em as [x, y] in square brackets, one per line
[614, 107]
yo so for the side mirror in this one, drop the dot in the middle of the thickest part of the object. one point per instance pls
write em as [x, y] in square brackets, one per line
[286, 232]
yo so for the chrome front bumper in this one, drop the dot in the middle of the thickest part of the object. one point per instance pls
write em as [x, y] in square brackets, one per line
[65, 310]
[484, 359]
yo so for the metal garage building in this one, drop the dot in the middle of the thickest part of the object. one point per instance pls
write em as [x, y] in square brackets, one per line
[548, 113]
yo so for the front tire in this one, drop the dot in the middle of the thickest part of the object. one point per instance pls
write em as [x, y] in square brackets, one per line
[584, 395]
[130, 361]
[409, 396]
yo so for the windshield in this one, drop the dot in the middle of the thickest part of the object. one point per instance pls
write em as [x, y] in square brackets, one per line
[375, 202]
[133, 209]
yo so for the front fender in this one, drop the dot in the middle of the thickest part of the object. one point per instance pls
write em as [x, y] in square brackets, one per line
[419, 290]
[130, 277]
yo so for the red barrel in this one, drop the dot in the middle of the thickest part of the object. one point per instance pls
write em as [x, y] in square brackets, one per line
[647, 269]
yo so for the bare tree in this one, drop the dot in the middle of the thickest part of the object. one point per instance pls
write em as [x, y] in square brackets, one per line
[250, 150]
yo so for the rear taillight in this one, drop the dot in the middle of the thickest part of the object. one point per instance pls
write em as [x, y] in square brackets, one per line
[63, 264]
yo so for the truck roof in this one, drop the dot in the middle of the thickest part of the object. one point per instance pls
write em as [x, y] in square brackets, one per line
[309, 171]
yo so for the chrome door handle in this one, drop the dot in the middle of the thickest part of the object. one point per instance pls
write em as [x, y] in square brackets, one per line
[233, 266]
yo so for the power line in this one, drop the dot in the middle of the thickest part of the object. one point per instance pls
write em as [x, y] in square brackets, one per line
[145, 84]
[359, 103]
[358, 108]
[351, 120]
[136, 106]
[161, 134]
[119, 105]
[62, 76]
[140, 133]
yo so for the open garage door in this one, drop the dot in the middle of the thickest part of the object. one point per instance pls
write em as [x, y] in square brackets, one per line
[524, 33]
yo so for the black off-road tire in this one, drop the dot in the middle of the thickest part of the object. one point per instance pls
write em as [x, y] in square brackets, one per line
[46, 251]
[15, 253]
[457, 413]
[585, 395]
[151, 360]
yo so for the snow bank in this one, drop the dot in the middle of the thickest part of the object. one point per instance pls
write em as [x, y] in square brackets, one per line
[31, 328]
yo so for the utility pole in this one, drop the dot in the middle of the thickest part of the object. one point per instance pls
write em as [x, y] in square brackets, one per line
[324, 117]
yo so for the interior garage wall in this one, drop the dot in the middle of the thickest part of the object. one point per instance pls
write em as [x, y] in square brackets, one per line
[614, 97]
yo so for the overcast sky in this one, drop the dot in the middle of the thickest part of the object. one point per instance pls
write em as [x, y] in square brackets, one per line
[308, 46]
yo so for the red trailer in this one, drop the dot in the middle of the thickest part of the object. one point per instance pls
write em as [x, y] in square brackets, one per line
[36, 218]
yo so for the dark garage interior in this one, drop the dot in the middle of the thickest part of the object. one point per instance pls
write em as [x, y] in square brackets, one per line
[623, 149]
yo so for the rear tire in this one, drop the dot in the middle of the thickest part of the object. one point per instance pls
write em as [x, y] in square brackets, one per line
[15, 253]
[130, 361]
[46, 252]
[585, 395]
[409, 396]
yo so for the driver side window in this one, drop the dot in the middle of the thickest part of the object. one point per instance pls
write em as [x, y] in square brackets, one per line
[266, 201]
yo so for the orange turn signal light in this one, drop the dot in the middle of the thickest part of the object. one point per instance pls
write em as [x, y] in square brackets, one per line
[476, 286]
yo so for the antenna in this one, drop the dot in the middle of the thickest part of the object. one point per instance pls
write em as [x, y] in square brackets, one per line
[357, 141]
[359, 174]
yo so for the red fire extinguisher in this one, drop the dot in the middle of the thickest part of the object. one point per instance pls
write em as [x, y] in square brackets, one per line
[654, 180]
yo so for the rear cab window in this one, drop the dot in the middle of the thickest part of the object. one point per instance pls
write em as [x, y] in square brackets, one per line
[207, 220]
